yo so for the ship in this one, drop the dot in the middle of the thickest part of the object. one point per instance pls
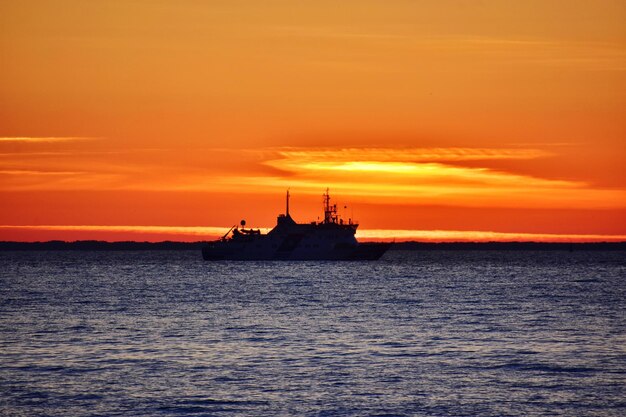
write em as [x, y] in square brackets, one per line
[329, 239]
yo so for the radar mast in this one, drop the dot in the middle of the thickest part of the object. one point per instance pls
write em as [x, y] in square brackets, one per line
[330, 211]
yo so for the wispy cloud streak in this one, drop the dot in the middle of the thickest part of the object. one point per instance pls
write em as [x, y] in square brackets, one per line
[481, 236]
[411, 154]
[25, 139]
[174, 230]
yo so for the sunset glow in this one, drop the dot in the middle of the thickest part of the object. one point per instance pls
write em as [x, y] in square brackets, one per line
[435, 120]
[191, 233]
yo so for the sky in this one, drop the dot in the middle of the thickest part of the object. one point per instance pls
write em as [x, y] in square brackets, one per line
[427, 120]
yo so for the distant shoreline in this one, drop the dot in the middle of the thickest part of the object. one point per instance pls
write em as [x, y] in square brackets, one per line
[96, 245]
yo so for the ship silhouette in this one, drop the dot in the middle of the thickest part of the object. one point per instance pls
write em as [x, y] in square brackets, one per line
[330, 239]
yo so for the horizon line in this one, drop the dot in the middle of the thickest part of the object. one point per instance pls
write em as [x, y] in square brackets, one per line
[400, 235]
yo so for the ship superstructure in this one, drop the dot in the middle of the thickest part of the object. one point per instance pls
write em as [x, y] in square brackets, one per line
[329, 239]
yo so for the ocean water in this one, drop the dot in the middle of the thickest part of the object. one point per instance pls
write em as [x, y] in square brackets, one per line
[445, 333]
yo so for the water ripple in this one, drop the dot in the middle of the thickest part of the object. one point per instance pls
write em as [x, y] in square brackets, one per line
[416, 334]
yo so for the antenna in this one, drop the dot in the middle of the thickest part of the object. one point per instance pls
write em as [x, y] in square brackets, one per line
[287, 208]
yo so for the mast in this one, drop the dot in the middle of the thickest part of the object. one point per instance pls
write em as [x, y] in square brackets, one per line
[330, 212]
[287, 208]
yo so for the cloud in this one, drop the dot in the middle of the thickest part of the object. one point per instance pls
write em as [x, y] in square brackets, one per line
[430, 176]
[174, 230]
[455, 176]
[481, 236]
[535, 51]
[25, 139]
[412, 154]
[33, 179]
[24, 172]
[411, 167]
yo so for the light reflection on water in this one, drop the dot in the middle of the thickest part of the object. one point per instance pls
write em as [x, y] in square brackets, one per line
[417, 333]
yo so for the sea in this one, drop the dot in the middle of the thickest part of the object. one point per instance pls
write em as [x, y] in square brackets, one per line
[417, 333]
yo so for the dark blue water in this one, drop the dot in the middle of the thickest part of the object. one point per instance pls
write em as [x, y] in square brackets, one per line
[415, 334]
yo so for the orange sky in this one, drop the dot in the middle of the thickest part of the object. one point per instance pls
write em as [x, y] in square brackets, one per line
[433, 120]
